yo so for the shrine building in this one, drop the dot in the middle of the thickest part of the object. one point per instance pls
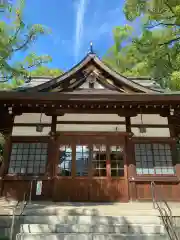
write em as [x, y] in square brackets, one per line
[90, 134]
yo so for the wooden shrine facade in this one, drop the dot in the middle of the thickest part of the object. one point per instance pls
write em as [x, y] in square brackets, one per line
[89, 135]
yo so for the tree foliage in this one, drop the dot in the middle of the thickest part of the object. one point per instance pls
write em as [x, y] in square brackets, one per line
[45, 71]
[126, 58]
[156, 51]
[16, 36]
[41, 71]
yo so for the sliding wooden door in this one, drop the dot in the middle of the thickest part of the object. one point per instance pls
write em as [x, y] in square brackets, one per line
[91, 168]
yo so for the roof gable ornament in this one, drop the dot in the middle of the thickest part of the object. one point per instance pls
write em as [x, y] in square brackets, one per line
[91, 78]
[91, 48]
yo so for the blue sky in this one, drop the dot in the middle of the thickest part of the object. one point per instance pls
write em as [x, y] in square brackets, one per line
[74, 24]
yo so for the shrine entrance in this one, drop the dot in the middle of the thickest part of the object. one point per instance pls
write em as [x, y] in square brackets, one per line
[91, 168]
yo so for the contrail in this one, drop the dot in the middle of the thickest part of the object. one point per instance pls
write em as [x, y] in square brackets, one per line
[81, 8]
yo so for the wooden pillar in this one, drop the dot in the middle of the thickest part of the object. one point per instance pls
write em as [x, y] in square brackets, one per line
[108, 163]
[174, 129]
[171, 124]
[6, 126]
[130, 161]
[128, 124]
[52, 150]
[51, 170]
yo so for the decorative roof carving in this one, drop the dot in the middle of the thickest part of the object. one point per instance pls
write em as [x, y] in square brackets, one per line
[91, 69]
[91, 78]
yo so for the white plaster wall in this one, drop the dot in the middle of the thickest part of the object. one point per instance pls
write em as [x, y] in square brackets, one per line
[30, 131]
[32, 118]
[35, 118]
[90, 128]
[90, 117]
[152, 132]
[149, 119]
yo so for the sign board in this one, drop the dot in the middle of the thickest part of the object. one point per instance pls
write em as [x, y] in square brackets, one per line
[39, 188]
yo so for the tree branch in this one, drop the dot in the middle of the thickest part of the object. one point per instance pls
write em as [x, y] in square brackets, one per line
[36, 64]
[163, 24]
[17, 31]
[22, 72]
[29, 38]
[169, 42]
[170, 62]
[170, 8]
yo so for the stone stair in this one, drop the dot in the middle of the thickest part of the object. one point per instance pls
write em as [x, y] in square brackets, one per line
[87, 222]
[99, 229]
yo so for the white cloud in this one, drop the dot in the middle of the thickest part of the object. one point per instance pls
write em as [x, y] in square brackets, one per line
[81, 9]
[103, 24]
[96, 26]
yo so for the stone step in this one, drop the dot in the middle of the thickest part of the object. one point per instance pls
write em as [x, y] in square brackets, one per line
[69, 208]
[5, 221]
[61, 236]
[85, 228]
[106, 209]
[89, 212]
[90, 220]
[98, 205]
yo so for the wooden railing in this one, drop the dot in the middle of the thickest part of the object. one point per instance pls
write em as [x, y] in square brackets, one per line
[165, 211]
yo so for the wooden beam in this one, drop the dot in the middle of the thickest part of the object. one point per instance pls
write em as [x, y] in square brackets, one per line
[95, 108]
[93, 123]
[123, 112]
[6, 126]
[41, 97]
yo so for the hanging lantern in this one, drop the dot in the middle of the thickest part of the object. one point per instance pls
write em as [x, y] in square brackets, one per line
[39, 127]
[141, 128]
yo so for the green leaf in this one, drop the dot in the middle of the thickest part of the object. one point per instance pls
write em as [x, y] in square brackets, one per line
[15, 37]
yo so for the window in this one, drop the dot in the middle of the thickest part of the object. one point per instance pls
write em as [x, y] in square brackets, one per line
[99, 160]
[117, 162]
[82, 160]
[28, 158]
[153, 159]
[65, 160]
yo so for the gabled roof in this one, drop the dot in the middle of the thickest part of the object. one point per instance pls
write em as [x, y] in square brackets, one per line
[76, 78]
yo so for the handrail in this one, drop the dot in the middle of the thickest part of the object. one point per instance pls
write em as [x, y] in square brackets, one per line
[20, 213]
[12, 222]
[30, 193]
[27, 201]
[23, 204]
[165, 212]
